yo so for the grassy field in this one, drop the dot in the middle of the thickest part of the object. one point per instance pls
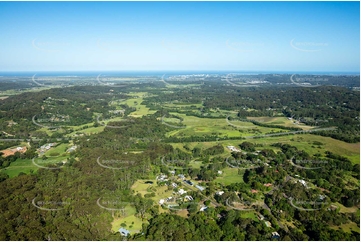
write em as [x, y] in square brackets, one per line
[195, 164]
[133, 223]
[348, 227]
[60, 149]
[20, 165]
[301, 141]
[281, 121]
[160, 192]
[220, 127]
[136, 102]
[305, 142]
[229, 176]
[251, 215]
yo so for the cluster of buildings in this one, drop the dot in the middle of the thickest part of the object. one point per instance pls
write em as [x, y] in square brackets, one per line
[71, 149]
[45, 147]
[233, 149]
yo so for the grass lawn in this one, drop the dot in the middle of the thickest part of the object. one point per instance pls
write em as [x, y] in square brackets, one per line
[160, 191]
[196, 164]
[60, 149]
[133, 223]
[347, 227]
[20, 165]
[229, 176]
[344, 209]
[220, 127]
[136, 102]
[251, 215]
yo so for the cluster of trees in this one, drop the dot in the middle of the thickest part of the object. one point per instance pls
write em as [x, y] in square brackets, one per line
[75, 104]
[319, 106]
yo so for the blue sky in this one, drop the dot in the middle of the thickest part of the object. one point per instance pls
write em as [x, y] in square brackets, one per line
[243, 36]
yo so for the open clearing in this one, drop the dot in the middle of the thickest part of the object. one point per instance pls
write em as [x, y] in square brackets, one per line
[281, 121]
[220, 127]
[229, 176]
[12, 151]
[136, 102]
[20, 165]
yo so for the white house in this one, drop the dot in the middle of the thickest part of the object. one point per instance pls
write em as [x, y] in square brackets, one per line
[219, 193]
[203, 208]
[189, 198]
[181, 191]
[161, 201]
[303, 182]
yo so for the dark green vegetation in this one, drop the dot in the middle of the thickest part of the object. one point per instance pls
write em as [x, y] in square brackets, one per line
[265, 187]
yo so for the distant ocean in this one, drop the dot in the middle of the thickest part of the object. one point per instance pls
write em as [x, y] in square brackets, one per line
[161, 73]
